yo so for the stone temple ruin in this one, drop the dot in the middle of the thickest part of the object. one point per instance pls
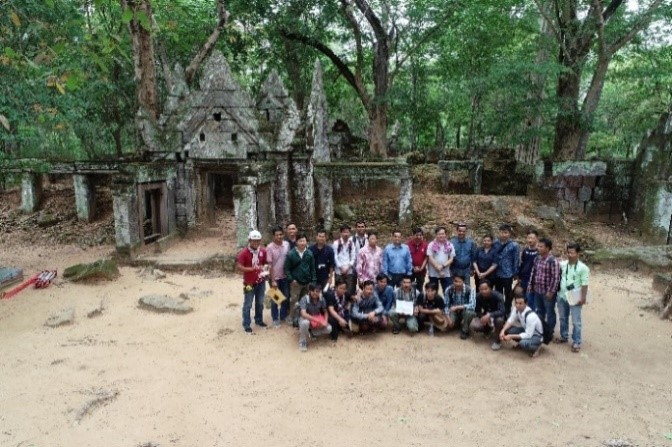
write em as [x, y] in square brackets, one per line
[265, 159]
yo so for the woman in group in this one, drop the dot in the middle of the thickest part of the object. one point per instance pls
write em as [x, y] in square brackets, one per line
[484, 265]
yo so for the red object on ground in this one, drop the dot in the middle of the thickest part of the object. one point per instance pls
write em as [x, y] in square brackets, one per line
[45, 278]
[10, 293]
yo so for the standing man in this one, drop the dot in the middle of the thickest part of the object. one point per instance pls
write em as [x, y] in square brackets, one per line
[299, 270]
[359, 239]
[484, 264]
[369, 259]
[290, 234]
[544, 281]
[325, 262]
[418, 247]
[507, 258]
[460, 302]
[440, 256]
[405, 293]
[489, 313]
[344, 249]
[572, 296]
[250, 261]
[314, 318]
[527, 257]
[277, 252]
[465, 254]
[523, 326]
[397, 260]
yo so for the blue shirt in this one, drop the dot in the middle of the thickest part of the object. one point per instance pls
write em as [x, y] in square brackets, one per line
[324, 261]
[465, 254]
[397, 260]
[386, 296]
[507, 258]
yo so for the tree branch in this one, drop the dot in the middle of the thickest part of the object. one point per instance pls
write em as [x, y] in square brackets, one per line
[333, 57]
[357, 31]
[372, 18]
[611, 9]
[643, 21]
[209, 45]
[553, 25]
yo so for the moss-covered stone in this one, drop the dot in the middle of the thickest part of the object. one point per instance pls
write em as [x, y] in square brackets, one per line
[101, 269]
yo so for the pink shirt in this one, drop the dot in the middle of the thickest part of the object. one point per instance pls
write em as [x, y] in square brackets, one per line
[276, 258]
[369, 263]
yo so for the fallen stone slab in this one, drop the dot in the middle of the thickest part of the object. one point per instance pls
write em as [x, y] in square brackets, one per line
[101, 269]
[64, 317]
[646, 259]
[164, 303]
[9, 275]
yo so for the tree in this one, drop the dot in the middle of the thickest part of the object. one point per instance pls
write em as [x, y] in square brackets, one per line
[582, 30]
[378, 41]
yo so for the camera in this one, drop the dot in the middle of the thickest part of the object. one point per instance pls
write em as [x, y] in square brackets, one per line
[570, 287]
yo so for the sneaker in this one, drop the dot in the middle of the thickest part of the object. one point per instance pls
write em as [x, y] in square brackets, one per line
[395, 330]
[276, 324]
[536, 352]
[249, 330]
[430, 331]
[464, 335]
[289, 321]
[262, 324]
[303, 346]
[496, 346]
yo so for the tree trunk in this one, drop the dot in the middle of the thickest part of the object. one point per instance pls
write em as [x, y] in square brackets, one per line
[143, 51]
[471, 136]
[378, 107]
[293, 66]
[378, 130]
[568, 122]
[458, 135]
[590, 103]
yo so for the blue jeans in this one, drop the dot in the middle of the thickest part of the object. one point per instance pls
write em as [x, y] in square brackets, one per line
[527, 344]
[531, 301]
[283, 286]
[545, 308]
[256, 294]
[565, 310]
[445, 282]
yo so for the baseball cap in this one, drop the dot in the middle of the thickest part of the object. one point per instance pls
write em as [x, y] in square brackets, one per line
[254, 235]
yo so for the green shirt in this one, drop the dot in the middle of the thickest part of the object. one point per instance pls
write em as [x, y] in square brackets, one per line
[300, 268]
[577, 274]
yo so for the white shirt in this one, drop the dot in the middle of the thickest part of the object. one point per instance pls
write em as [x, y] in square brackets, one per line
[345, 255]
[532, 323]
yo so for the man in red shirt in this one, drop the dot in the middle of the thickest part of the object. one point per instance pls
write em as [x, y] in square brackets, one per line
[418, 246]
[252, 261]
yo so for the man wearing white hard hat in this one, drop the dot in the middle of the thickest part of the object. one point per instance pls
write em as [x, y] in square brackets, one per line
[252, 262]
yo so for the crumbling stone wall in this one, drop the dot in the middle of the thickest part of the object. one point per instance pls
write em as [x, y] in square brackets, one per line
[461, 176]
[597, 189]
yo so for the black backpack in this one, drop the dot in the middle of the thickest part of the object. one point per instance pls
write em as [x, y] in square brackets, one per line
[547, 336]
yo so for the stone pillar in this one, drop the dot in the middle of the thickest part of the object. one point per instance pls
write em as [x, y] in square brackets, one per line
[126, 218]
[406, 200]
[31, 192]
[85, 197]
[283, 210]
[325, 194]
[245, 210]
[303, 194]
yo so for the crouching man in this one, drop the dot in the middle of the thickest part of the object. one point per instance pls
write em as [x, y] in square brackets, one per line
[523, 327]
[367, 311]
[430, 307]
[314, 317]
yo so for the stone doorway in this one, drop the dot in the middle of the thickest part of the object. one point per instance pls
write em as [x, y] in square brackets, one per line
[153, 211]
[220, 211]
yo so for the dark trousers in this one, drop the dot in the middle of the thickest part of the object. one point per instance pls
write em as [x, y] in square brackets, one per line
[395, 279]
[418, 279]
[504, 286]
[445, 282]
[336, 328]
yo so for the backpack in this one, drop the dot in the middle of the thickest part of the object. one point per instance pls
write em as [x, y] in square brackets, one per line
[547, 336]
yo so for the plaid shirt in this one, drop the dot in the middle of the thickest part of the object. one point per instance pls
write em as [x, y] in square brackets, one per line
[545, 275]
[466, 297]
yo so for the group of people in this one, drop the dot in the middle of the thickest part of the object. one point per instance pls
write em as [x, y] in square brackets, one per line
[354, 285]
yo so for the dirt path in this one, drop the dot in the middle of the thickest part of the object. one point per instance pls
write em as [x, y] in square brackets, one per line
[197, 380]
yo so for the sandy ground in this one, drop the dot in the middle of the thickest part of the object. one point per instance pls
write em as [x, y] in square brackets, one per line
[198, 380]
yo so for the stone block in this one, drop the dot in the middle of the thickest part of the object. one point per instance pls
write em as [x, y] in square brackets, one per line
[599, 194]
[572, 195]
[555, 181]
[584, 194]
[574, 181]
[31, 192]
[590, 181]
